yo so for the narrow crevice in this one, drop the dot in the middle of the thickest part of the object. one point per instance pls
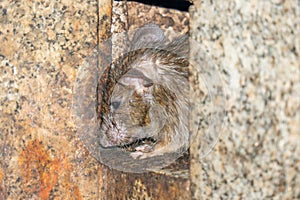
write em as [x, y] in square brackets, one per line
[182, 5]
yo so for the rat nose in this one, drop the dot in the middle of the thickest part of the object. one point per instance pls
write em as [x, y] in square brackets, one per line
[105, 143]
[115, 104]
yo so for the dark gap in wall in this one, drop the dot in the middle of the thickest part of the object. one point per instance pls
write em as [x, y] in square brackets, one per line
[182, 5]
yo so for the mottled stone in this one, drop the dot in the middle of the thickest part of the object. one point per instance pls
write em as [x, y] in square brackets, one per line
[255, 46]
[42, 45]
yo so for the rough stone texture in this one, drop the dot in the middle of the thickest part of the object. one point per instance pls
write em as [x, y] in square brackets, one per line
[42, 45]
[255, 46]
[174, 22]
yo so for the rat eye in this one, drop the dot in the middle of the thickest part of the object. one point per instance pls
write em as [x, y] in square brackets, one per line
[115, 104]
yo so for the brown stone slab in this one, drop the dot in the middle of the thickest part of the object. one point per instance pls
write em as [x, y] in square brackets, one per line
[43, 43]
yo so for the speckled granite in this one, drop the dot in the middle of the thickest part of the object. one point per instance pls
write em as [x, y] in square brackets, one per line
[256, 47]
[42, 45]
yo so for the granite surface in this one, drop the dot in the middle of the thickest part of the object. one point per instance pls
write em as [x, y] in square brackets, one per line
[42, 45]
[255, 46]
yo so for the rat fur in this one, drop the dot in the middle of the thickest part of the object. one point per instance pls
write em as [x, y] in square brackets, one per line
[144, 106]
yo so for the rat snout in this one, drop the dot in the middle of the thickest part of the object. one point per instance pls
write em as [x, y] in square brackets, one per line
[113, 137]
[105, 143]
[109, 138]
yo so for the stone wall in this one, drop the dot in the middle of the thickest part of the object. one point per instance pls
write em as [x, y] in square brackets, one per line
[255, 46]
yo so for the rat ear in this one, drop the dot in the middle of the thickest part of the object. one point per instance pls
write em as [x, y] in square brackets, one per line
[135, 78]
[147, 36]
[179, 46]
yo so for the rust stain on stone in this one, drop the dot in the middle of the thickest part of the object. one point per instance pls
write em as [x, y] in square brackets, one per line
[40, 173]
[2, 187]
[34, 160]
[1, 180]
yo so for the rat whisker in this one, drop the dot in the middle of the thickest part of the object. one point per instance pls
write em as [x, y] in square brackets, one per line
[148, 95]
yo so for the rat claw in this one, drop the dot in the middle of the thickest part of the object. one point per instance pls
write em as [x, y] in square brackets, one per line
[136, 155]
[144, 148]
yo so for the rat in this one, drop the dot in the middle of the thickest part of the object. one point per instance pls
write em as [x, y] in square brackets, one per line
[143, 103]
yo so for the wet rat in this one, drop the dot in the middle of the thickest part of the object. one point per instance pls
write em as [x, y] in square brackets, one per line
[146, 107]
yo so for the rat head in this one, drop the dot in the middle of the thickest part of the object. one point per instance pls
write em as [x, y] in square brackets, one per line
[130, 101]
[142, 103]
[131, 105]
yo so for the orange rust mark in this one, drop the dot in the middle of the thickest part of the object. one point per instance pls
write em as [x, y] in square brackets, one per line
[1, 175]
[77, 193]
[1, 179]
[2, 192]
[35, 157]
[40, 173]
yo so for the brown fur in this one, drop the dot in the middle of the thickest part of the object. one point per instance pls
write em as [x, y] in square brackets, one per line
[150, 85]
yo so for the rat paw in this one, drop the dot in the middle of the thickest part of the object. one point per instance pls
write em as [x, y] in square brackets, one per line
[141, 151]
[145, 148]
[142, 155]
[136, 155]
